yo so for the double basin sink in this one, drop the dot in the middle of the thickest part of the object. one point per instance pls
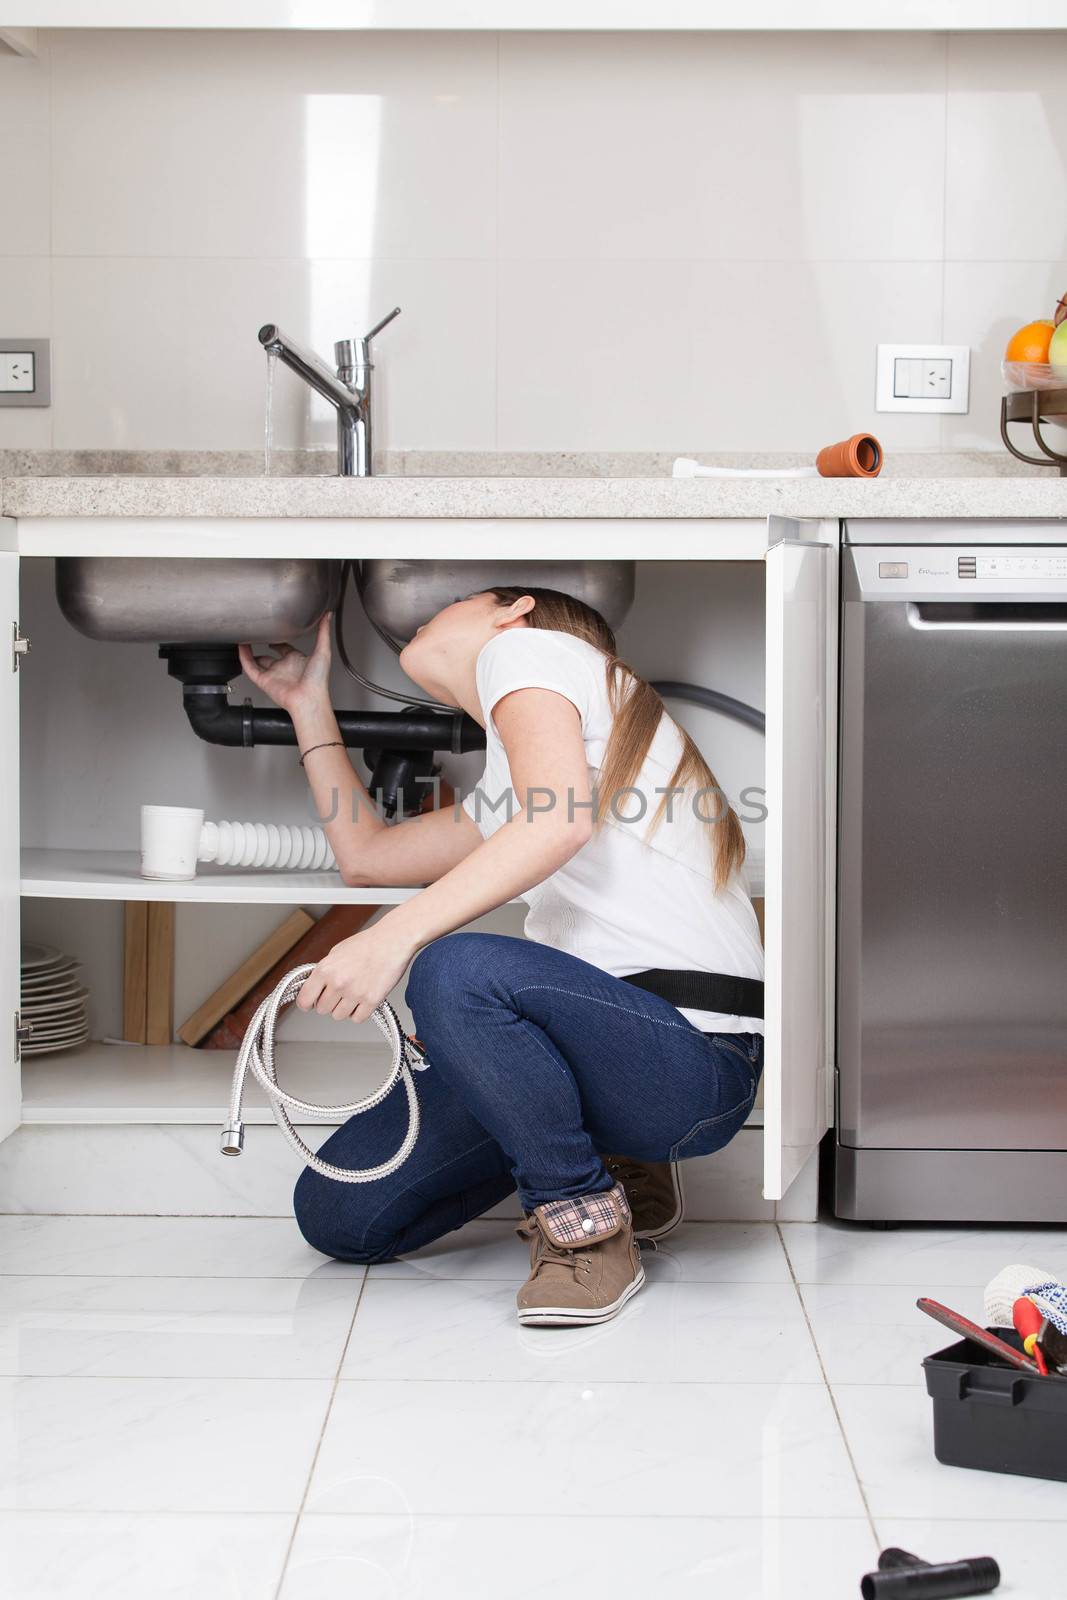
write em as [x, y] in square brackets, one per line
[133, 599]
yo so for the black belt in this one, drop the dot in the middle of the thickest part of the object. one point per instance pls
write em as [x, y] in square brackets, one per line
[703, 991]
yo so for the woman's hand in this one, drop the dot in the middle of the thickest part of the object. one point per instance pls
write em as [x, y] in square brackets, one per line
[358, 973]
[293, 680]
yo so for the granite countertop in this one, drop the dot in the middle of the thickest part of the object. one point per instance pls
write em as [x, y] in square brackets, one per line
[974, 486]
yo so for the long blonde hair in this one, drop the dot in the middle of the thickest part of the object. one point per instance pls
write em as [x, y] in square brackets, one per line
[636, 712]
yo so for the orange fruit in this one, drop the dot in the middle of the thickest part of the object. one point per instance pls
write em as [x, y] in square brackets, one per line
[1030, 343]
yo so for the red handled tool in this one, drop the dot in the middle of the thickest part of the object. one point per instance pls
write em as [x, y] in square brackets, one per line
[1031, 1326]
[970, 1330]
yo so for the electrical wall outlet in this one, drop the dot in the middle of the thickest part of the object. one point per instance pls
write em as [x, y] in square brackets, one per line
[16, 372]
[25, 377]
[923, 377]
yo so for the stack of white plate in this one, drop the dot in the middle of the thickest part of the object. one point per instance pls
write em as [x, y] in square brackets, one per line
[53, 1000]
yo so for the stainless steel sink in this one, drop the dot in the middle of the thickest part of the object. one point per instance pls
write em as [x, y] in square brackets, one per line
[134, 599]
[401, 595]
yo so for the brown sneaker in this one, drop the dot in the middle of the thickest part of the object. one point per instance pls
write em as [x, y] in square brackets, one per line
[585, 1262]
[654, 1190]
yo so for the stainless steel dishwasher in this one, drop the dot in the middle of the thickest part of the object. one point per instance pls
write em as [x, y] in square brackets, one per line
[952, 874]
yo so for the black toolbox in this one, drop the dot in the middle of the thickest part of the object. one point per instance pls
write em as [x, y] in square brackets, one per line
[995, 1417]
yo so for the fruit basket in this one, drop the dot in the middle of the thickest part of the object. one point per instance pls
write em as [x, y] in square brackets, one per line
[1035, 408]
[1035, 376]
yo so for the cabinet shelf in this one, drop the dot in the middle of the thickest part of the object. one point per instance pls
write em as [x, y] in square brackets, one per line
[115, 875]
[137, 1083]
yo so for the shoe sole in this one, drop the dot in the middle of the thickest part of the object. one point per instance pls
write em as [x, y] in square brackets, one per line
[568, 1317]
[679, 1210]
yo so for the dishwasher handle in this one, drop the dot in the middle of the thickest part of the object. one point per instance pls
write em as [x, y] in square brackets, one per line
[1028, 615]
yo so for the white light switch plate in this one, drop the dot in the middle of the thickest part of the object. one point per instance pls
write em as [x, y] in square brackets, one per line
[923, 377]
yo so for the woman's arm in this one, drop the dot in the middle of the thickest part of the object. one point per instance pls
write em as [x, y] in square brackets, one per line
[542, 734]
[367, 851]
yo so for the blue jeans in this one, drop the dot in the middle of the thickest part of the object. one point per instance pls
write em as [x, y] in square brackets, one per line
[537, 1062]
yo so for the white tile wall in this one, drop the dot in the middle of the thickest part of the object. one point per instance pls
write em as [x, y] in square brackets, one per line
[258, 146]
[600, 242]
[160, 352]
[1007, 150]
[25, 154]
[718, 148]
[681, 354]
[25, 311]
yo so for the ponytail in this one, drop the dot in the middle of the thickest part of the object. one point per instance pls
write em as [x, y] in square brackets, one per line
[636, 712]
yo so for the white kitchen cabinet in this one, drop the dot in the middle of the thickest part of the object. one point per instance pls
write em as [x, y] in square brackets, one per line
[799, 921]
[10, 1094]
[129, 727]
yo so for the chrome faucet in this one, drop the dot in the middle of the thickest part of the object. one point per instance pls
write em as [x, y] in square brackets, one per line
[349, 390]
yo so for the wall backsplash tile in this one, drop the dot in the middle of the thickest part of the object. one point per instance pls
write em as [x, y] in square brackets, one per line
[642, 349]
[722, 147]
[24, 310]
[1007, 149]
[25, 151]
[600, 243]
[273, 145]
[157, 352]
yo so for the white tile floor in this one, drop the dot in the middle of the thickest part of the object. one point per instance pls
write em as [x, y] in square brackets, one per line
[204, 1407]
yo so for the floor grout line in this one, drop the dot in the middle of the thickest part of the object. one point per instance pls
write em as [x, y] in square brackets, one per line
[151, 1216]
[189, 1277]
[318, 1446]
[620, 1517]
[829, 1390]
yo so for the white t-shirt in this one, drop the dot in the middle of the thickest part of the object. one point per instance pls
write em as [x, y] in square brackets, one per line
[626, 901]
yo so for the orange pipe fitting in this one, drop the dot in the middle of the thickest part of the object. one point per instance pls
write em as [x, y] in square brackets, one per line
[858, 457]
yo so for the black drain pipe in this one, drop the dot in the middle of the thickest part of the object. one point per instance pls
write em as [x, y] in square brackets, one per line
[204, 672]
[395, 743]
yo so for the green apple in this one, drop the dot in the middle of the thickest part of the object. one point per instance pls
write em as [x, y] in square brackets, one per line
[1057, 350]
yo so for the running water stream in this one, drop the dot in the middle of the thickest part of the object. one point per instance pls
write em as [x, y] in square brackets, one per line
[268, 425]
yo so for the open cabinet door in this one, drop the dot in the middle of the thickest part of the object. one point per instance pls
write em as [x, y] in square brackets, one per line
[10, 1091]
[801, 699]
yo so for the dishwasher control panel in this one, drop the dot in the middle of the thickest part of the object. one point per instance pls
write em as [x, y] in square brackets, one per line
[964, 573]
[1014, 567]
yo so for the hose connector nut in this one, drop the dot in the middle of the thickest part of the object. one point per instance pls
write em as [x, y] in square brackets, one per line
[232, 1141]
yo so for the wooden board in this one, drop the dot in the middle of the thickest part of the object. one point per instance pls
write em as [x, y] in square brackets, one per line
[340, 922]
[135, 971]
[233, 990]
[159, 988]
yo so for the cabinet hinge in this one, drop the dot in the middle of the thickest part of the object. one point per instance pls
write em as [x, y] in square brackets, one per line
[19, 647]
[23, 1034]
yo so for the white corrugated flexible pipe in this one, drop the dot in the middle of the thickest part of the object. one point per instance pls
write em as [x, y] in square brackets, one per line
[278, 846]
[175, 838]
[257, 1055]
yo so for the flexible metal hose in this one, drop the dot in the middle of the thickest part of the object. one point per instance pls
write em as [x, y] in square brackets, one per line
[394, 645]
[257, 1055]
